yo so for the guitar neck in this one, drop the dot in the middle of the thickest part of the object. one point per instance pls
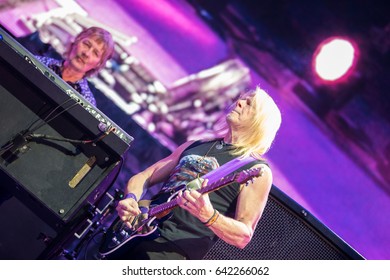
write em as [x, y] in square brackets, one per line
[209, 188]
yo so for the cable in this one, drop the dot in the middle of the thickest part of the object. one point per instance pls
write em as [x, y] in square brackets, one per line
[29, 135]
[49, 137]
[46, 121]
[24, 133]
[60, 105]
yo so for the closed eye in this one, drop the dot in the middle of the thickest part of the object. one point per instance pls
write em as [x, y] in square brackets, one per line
[87, 43]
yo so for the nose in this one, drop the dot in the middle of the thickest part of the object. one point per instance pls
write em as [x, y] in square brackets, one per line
[239, 103]
[86, 52]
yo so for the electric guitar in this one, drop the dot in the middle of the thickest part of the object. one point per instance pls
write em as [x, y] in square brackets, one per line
[118, 234]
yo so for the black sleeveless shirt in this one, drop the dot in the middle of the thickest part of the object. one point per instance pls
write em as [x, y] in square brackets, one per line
[183, 229]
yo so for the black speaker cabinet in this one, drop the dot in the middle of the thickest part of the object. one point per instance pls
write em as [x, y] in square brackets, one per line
[23, 235]
[287, 231]
[58, 153]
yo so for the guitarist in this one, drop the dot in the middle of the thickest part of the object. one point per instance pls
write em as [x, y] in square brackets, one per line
[230, 213]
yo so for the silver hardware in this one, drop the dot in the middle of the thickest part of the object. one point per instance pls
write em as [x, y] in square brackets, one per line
[220, 145]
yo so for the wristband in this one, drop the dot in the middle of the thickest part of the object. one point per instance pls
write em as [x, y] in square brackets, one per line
[130, 195]
[144, 210]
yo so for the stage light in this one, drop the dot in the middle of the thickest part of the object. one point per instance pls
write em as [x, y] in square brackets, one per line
[335, 59]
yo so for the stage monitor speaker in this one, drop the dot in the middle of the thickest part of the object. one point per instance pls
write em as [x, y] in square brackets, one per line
[287, 231]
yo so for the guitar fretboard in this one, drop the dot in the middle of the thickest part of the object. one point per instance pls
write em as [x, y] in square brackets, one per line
[209, 188]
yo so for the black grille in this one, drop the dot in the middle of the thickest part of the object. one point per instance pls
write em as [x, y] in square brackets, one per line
[283, 234]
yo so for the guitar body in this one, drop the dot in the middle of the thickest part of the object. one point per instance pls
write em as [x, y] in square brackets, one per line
[119, 236]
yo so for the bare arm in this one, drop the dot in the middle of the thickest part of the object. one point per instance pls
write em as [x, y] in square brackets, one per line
[140, 182]
[250, 205]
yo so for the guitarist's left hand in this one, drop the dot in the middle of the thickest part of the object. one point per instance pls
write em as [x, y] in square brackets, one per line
[197, 204]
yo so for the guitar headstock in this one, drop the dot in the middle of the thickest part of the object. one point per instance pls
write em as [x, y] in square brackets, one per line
[248, 174]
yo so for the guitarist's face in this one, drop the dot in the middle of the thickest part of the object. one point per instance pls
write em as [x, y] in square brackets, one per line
[243, 112]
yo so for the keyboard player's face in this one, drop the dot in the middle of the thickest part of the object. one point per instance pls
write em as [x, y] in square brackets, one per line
[86, 54]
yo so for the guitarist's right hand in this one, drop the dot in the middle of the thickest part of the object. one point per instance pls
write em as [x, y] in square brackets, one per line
[128, 211]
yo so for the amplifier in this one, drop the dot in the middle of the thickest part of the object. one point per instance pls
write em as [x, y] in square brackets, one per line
[76, 150]
[287, 231]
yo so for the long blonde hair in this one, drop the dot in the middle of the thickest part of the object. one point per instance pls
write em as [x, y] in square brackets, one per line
[263, 128]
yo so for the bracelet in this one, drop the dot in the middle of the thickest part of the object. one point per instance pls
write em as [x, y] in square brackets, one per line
[213, 219]
[130, 195]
